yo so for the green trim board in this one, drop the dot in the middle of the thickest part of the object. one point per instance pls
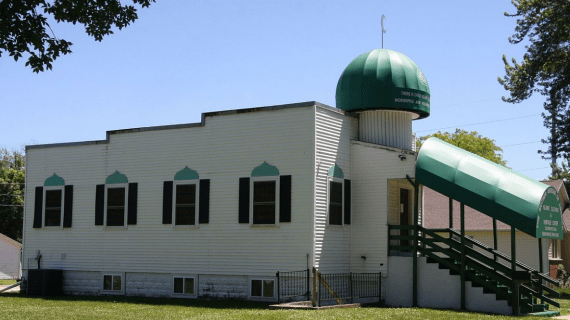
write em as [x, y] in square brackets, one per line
[186, 174]
[264, 170]
[383, 80]
[336, 171]
[519, 201]
[54, 180]
[116, 177]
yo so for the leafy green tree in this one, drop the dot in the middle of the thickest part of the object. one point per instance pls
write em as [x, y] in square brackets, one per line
[561, 173]
[12, 178]
[470, 141]
[545, 67]
[24, 27]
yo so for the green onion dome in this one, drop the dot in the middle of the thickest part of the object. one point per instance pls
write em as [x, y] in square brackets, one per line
[383, 80]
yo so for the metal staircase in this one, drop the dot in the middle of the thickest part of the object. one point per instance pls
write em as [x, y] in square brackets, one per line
[483, 266]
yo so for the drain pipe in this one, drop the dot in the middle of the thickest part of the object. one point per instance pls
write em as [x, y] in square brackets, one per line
[39, 258]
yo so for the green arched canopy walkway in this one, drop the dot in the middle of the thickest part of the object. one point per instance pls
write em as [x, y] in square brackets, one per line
[521, 202]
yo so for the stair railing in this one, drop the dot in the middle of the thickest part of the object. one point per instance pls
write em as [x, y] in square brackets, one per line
[429, 245]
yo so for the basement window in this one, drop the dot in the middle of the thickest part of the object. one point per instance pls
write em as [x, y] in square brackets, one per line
[112, 283]
[183, 285]
[262, 288]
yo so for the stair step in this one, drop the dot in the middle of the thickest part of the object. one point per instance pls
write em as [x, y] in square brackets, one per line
[544, 314]
[539, 308]
[442, 266]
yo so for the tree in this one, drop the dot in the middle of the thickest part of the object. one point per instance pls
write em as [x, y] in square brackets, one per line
[545, 68]
[24, 25]
[12, 180]
[470, 141]
[561, 173]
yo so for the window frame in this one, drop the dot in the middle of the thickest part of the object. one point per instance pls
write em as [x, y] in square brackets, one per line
[184, 294]
[126, 206]
[555, 249]
[252, 181]
[262, 297]
[175, 184]
[113, 274]
[341, 181]
[52, 188]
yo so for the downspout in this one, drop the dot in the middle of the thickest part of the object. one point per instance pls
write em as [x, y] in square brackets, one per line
[351, 216]
[316, 168]
[24, 216]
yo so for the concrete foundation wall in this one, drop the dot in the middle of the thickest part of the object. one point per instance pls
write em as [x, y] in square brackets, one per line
[436, 288]
[161, 285]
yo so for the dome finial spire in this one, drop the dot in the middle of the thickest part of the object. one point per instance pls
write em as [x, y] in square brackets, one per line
[383, 30]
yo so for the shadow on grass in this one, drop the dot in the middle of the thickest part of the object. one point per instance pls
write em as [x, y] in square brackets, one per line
[564, 293]
[195, 303]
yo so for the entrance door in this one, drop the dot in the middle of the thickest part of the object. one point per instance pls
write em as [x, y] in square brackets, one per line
[404, 213]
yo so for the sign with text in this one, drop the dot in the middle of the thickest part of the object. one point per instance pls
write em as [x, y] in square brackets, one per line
[549, 220]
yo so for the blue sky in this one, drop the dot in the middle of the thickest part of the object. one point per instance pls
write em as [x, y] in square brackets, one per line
[183, 58]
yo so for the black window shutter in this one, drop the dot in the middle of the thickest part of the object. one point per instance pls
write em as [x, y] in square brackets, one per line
[132, 200]
[204, 210]
[68, 206]
[167, 202]
[99, 204]
[38, 207]
[285, 199]
[347, 201]
[243, 200]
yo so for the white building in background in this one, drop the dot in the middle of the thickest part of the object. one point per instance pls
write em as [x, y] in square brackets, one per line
[9, 258]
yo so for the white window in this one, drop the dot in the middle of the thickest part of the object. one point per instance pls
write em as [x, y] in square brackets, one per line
[264, 200]
[116, 205]
[185, 199]
[53, 206]
[262, 288]
[113, 283]
[335, 201]
[184, 285]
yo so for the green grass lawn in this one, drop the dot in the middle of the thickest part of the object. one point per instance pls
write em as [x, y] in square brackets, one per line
[7, 282]
[22, 307]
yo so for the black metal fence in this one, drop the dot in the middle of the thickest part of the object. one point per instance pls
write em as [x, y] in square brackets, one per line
[337, 288]
[345, 287]
[292, 285]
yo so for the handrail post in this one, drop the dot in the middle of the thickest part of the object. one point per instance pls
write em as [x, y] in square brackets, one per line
[416, 239]
[515, 288]
[380, 287]
[541, 268]
[278, 291]
[351, 289]
[316, 294]
[308, 283]
[495, 241]
[462, 208]
[450, 216]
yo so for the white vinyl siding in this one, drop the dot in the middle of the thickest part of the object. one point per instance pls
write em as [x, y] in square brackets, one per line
[333, 133]
[227, 148]
[526, 246]
[373, 166]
